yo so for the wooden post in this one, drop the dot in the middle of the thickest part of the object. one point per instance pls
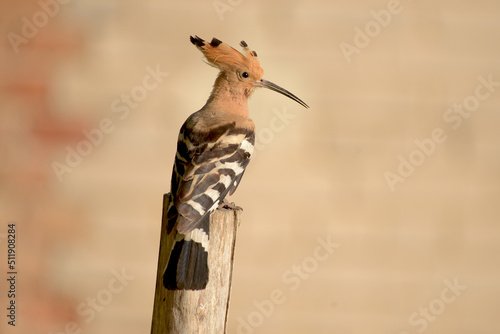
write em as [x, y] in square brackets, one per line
[203, 311]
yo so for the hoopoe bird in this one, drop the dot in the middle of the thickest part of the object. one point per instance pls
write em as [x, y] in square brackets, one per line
[214, 147]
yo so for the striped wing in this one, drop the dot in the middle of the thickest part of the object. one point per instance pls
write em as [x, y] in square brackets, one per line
[208, 166]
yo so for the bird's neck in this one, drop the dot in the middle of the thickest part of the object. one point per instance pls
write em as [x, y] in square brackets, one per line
[228, 97]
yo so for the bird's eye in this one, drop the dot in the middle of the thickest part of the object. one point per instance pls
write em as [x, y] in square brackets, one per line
[244, 74]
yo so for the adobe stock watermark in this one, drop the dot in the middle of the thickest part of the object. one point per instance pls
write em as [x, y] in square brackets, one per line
[31, 26]
[88, 309]
[223, 6]
[453, 117]
[363, 37]
[293, 278]
[121, 107]
[420, 319]
[277, 124]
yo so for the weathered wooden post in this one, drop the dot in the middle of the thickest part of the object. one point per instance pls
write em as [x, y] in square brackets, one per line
[204, 311]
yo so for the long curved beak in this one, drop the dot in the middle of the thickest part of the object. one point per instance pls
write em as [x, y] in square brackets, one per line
[276, 88]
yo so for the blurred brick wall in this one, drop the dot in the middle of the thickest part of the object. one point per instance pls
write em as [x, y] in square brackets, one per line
[31, 132]
[88, 234]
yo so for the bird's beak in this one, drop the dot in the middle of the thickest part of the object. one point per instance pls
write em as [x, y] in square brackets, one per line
[276, 88]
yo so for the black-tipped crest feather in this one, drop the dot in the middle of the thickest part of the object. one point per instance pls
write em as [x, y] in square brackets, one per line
[197, 41]
[215, 42]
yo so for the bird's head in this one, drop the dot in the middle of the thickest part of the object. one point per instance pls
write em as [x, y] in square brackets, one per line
[239, 70]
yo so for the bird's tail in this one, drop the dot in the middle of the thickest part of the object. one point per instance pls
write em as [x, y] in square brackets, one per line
[187, 267]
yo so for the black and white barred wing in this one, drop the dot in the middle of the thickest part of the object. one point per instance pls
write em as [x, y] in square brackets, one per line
[209, 166]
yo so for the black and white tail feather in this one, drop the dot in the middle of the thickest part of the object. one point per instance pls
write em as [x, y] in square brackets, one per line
[209, 164]
[187, 268]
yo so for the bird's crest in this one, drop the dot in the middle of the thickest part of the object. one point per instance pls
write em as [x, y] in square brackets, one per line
[226, 58]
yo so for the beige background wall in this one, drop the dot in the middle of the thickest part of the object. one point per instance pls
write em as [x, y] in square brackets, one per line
[319, 175]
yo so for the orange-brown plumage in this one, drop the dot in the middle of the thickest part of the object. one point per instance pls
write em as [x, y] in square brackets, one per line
[237, 77]
[226, 58]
